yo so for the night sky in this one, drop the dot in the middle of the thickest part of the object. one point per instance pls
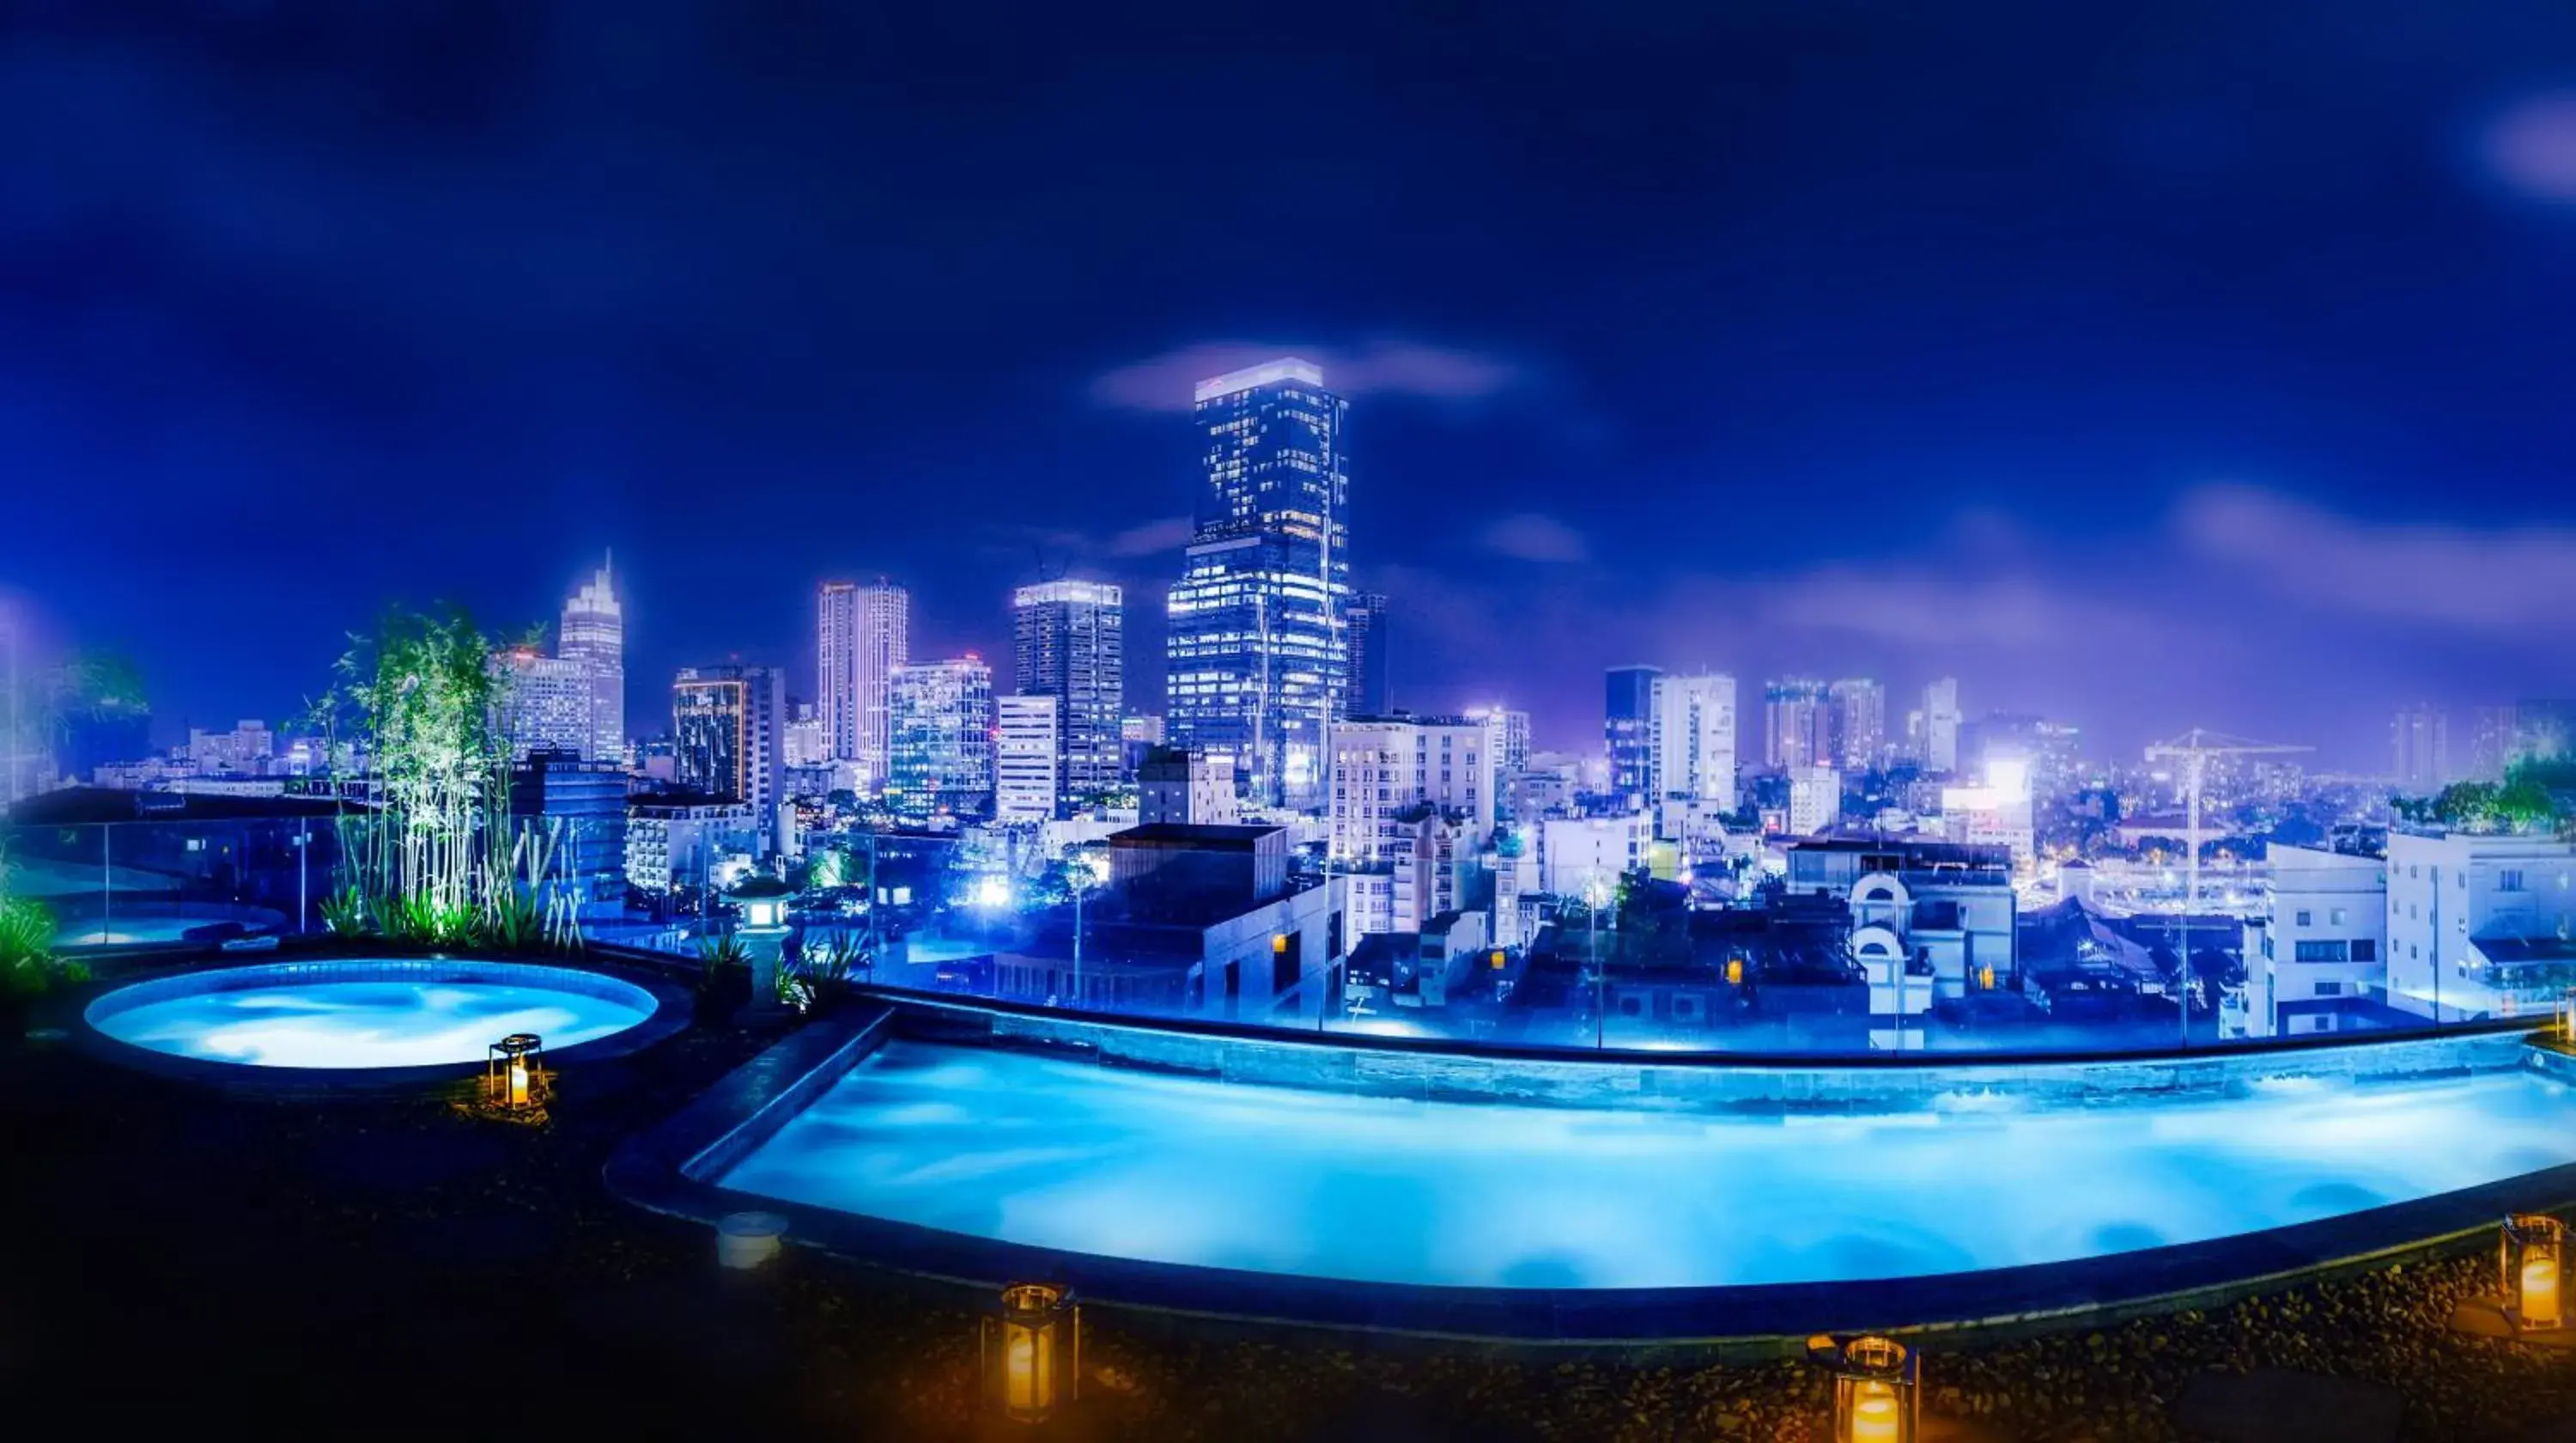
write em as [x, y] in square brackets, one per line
[2201, 362]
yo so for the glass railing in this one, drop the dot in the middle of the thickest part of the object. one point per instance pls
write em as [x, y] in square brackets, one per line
[147, 883]
[1244, 932]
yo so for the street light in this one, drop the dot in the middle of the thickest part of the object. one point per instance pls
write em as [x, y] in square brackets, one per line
[1083, 872]
[1596, 894]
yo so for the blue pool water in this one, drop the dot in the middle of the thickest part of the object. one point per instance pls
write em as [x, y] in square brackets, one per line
[130, 932]
[1096, 1160]
[366, 1014]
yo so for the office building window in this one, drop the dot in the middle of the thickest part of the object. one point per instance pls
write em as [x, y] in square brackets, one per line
[2365, 949]
[2306, 917]
[2323, 951]
[2509, 880]
[2335, 917]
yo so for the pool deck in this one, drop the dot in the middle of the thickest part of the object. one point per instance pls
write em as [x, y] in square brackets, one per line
[672, 1168]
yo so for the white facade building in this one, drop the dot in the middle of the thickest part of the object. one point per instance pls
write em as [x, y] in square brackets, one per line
[863, 637]
[1694, 739]
[1815, 800]
[2319, 935]
[1576, 852]
[1027, 784]
[1386, 767]
[545, 702]
[1998, 813]
[2480, 926]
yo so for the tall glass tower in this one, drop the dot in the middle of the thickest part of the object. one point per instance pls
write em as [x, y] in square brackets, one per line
[1069, 643]
[1256, 661]
[593, 636]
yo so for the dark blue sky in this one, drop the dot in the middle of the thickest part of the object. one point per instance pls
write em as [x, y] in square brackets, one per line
[2205, 362]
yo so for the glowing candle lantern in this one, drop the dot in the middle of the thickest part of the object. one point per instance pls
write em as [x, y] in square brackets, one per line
[1734, 971]
[1033, 1351]
[1875, 1394]
[510, 1070]
[1986, 977]
[2533, 1247]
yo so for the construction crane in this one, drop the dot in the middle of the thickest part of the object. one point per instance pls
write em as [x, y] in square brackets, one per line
[2193, 749]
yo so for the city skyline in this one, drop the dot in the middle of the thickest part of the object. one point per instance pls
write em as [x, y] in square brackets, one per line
[2073, 393]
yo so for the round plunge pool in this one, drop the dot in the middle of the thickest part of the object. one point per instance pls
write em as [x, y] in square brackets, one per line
[366, 1013]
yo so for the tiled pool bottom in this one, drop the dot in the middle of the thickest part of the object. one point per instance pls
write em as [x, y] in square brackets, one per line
[1078, 1158]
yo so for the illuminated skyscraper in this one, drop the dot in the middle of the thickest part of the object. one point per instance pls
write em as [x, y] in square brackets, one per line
[1070, 644]
[1256, 661]
[547, 703]
[2422, 738]
[1628, 732]
[1799, 730]
[1859, 724]
[863, 634]
[728, 730]
[1364, 639]
[593, 638]
[942, 752]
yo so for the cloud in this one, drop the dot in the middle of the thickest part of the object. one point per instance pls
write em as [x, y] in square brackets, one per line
[2493, 580]
[1529, 536]
[1163, 533]
[1386, 368]
[2532, 147]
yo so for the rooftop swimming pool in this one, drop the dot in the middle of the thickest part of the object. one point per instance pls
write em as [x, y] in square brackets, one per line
[1072, 1157]
[367, 1012]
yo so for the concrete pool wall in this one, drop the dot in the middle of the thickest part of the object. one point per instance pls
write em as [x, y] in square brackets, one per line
[676, 1169]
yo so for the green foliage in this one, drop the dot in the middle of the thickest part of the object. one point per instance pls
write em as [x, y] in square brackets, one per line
[2526, 800]
[27, 967]
[442, 862]
[822, 974]
[347, 913]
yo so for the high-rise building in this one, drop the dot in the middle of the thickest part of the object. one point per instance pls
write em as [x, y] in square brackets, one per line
[1185, 788]
[1069, 643]
[1694, 735]
[2421, 739]
[1815, 799]
[1798, 724]
[1027, 750]
[1256, 661]
[1387, 767]
[942, 752]
[863, 635]
[1510, 741]
[546, 703]
[1859, 724]
[728, 735]
[593, 637]
[1628, 732]
[1364, 638]
[1941, 726]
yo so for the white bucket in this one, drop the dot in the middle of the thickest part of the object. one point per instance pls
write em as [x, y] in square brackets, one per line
[747, 1240]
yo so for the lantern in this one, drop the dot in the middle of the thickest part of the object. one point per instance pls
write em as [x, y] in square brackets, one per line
[1986, 977]
[510, 1070]
[2533, 1244]
[1875, 1393]
[1734, 971]
[1032, 1351]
